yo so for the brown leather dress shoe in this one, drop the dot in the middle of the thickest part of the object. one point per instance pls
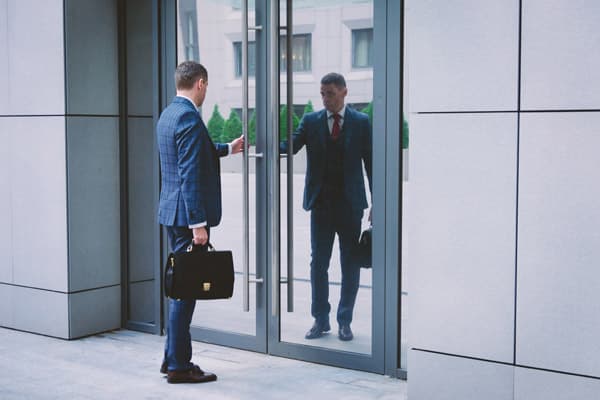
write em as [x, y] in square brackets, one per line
[194, 375]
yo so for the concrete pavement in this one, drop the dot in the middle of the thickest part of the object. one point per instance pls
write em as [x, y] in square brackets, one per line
[124, 365]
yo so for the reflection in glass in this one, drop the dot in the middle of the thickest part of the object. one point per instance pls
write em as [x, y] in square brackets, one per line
[407, 196]
[301, 53]
[331, 50]
[237, 50]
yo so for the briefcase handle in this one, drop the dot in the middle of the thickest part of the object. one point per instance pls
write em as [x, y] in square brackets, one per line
[190, 248]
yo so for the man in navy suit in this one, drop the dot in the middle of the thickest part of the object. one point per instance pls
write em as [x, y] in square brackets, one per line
[338, 142]
[190, 201]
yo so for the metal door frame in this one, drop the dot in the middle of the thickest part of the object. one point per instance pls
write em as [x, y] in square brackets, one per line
[374, 362]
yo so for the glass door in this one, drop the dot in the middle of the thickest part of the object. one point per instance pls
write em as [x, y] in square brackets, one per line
[325, 195]
[222, 36]
[266, 60]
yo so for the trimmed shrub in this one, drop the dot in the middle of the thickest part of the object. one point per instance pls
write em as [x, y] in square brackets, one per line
[252, 129]
[308, 108]
[232, 128]
[215, 125]
[283, 122]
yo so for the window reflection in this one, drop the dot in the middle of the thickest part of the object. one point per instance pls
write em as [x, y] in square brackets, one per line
[237, 51]
[338, 38]
[362, 48]
[301, 53]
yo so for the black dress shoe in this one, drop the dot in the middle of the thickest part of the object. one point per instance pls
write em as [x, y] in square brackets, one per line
[345, 333]
[194, 375]
[164, 367]
[317, 330]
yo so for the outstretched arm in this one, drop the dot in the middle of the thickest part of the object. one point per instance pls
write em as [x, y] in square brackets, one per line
[298, 139]
[367, 156]
[367, 153]
[233, 147]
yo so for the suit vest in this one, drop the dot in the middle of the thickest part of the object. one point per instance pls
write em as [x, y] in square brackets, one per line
[333, 180]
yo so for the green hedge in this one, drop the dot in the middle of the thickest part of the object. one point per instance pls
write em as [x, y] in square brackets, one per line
[222, 131]
[232, 128]
[216, 123]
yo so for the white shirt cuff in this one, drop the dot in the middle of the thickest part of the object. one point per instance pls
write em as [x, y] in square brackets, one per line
[228, 148]
[200, 225]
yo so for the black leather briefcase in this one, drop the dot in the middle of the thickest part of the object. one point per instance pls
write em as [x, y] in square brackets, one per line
[199, 274]
[364, 247]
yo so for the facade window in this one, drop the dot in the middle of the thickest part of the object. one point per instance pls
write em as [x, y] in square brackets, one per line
[298, 110]
[362, 48]
[238, 111]
[237, 56]
[191, 47]
[301, 53]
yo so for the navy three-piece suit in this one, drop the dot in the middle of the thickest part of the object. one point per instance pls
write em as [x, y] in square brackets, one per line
[190, 194]
[334, 192]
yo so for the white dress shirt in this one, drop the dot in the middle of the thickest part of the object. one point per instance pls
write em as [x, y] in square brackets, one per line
[330, 118]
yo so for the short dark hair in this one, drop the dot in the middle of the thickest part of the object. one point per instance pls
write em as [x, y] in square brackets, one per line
[334, 78]
[188, 73]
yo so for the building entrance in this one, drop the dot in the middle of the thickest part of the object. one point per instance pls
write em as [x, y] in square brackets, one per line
[295, 256]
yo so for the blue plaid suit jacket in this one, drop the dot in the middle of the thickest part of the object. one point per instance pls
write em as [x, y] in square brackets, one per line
[356, 135]
[189, 164]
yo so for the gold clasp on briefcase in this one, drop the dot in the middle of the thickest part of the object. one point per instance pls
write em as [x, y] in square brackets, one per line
[172, 260]
[206, 286]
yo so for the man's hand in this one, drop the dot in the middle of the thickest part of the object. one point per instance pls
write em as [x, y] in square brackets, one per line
[237, 145]
[200, 236]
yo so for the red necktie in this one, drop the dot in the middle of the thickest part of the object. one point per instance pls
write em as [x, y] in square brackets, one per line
[335, 129]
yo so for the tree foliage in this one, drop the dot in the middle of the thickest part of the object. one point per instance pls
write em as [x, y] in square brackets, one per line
[252, 129]
[369, 111]
[232, 128]
[216, 124]
[283, 122]
[308, 108]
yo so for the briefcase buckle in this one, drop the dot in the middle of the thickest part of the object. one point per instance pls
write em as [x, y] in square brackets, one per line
[206, 286]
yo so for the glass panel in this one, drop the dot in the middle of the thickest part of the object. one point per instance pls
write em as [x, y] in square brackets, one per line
[335, 187]
[407, 196]
[218, 25]
[237, 52]
[301, 53]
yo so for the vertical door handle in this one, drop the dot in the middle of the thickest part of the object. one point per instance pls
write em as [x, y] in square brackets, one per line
[405, 164]
[245, 169]
[274, 190]
[290, 159]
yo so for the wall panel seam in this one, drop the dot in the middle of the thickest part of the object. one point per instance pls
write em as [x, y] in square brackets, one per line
[59, 291]
[508, 364]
